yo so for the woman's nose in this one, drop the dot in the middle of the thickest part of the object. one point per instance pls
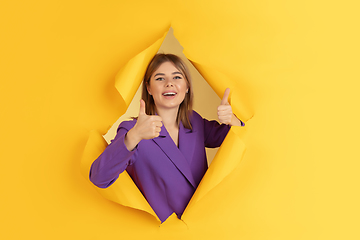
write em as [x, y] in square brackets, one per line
[169, 83]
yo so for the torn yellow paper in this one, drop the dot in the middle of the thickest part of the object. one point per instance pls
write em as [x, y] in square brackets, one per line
[296, 64]
[219, 82]
[131, 75]
[124, 191]
[226, 159]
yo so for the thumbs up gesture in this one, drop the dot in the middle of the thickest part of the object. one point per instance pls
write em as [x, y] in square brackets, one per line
[146, 127]
[225, 113]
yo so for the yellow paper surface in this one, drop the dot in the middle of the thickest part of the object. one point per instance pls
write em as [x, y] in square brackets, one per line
[131, 75]
[293, 64]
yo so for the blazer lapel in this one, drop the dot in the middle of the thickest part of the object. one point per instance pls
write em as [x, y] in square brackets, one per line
[187, 140]
[168, 146]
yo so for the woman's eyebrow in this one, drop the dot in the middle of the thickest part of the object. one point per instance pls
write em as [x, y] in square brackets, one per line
[177, 73]
[159, 74]
[163, 74]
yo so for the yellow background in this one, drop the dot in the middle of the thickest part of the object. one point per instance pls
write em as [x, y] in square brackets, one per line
[297, 65]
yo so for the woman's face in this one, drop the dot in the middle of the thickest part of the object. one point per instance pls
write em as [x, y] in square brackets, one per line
[168, 86]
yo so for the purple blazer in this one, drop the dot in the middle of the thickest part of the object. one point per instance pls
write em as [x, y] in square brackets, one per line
[166, 175]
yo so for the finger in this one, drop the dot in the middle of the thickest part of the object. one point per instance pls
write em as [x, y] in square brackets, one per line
[156, 118]
[142, 107]
[224, 112]
[157, 124]
[224, 108]
[224, 100]
[225, 119]
[226, 115]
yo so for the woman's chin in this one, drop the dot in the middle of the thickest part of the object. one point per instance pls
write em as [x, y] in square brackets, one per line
[169, 106]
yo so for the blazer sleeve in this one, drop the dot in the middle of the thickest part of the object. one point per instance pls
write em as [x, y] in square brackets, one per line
[114, 160]
[214, 133]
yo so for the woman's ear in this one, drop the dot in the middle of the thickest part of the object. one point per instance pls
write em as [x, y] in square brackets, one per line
[148, 88]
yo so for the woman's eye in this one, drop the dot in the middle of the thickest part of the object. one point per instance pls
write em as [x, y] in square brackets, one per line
[159, 79]
[177, 77]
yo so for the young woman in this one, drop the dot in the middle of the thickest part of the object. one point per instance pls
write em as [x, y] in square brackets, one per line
[163, 150]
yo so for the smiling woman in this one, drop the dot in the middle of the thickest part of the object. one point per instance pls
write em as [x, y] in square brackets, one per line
[163, 150]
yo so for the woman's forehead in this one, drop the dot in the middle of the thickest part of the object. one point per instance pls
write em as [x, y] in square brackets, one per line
[167, 68]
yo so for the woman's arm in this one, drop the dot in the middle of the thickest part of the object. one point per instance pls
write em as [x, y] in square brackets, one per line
[235, 121]
[106, 168]
[122, 150]
[214, 133]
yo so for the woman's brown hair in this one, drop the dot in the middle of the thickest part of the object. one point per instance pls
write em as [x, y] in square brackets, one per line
[185, 108]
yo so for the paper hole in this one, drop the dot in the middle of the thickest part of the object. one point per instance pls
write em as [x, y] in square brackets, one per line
[206, 100]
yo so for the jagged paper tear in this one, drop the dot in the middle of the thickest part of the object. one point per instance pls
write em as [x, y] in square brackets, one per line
[124, 191]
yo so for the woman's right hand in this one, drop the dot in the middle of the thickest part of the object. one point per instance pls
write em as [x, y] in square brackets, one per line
[146, 127]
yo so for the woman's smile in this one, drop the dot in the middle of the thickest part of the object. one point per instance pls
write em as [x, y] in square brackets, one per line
[169, 94]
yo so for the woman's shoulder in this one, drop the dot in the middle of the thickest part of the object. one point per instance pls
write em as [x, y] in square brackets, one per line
[194, 115]
[127, 124]
[196, 118]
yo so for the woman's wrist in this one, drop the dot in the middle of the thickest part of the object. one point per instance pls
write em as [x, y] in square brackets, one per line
[235, 121]
[131, 139]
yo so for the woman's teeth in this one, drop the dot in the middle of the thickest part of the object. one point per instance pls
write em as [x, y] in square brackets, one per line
[169, 94]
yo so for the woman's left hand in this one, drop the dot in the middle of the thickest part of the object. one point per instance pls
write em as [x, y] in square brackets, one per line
[225, 113]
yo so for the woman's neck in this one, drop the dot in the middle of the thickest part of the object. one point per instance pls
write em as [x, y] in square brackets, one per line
[169, 117]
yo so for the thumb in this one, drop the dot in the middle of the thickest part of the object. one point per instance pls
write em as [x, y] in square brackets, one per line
[142, 107]
[224, 100]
